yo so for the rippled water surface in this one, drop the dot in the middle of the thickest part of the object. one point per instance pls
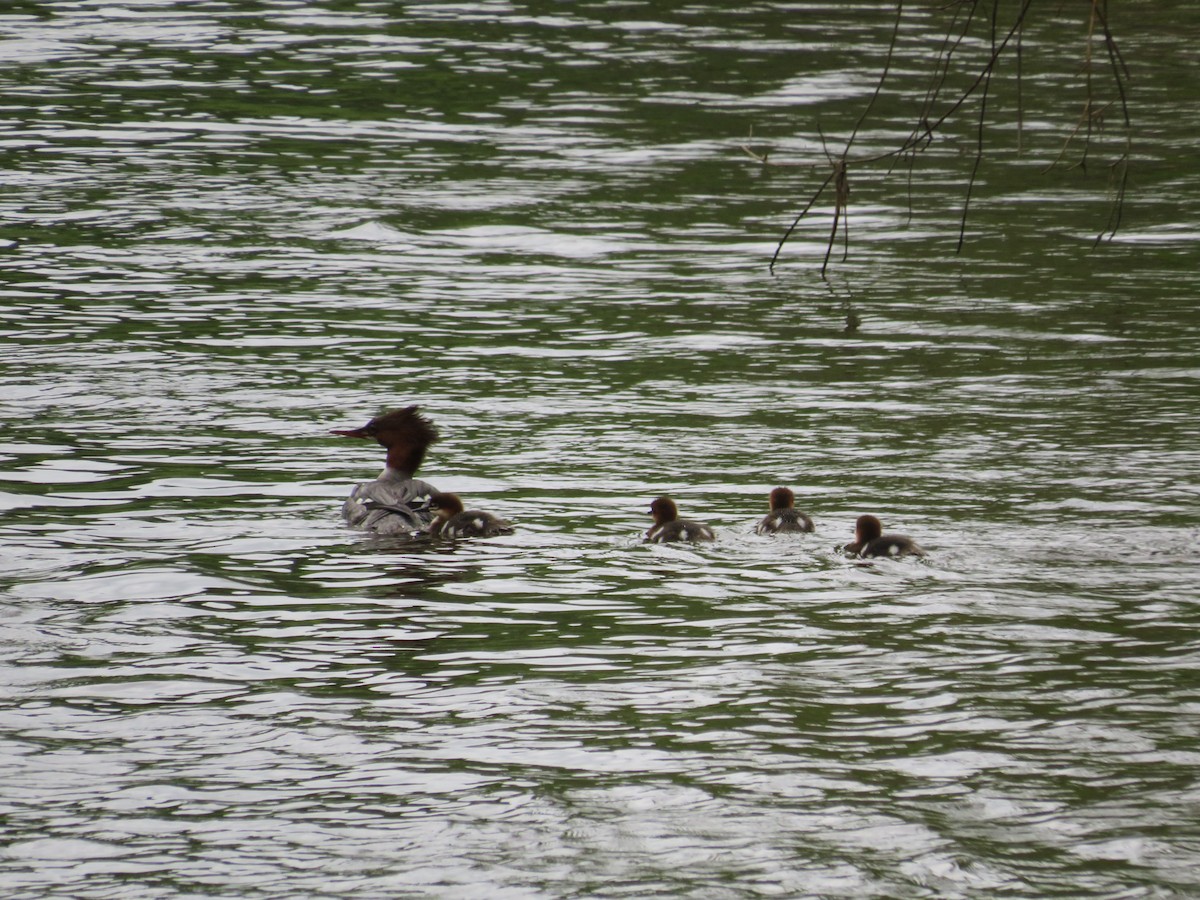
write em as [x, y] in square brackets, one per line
[228, 228]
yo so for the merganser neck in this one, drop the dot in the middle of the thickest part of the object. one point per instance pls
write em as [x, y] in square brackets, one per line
[405, 457]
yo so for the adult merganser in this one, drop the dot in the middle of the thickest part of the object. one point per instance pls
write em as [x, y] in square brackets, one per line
[395, 502]
[669, 527]
[784, 518]
[869, 540]
[452, 522]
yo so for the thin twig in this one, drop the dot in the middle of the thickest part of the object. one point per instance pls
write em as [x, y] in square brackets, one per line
[796, 221]
[928, 126]
[962, 227]
[883, 76]
[1020, 82]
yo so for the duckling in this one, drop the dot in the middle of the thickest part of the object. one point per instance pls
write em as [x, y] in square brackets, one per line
[784, 518]
[669, 527]
[869, 540]
[451, 521]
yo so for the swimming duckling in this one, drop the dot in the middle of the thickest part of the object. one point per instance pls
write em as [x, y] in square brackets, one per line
[784, 518]
[451, 521]
[869, 540]
[669, 527]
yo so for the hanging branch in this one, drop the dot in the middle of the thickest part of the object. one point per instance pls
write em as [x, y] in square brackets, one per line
[987, 82]
[815, 197]
[841, 204]
[1094, 114]
[922, 136]
[929, 125]
[1119, 171]
[838, 176]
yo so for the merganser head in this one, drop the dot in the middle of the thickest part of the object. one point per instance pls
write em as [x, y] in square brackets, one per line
[782, 498]
[446, 505]
[867, 528]
[404, 432]
[664, 510]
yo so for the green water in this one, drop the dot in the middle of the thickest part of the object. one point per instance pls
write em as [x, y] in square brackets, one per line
[227, 228]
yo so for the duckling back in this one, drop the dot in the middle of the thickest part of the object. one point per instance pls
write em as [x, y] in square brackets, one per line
[680, 530]
[785, 521]
[473, 523]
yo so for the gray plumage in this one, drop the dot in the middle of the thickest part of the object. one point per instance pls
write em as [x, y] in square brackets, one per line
[393, 503]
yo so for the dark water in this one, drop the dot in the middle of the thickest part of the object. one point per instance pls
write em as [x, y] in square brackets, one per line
[228, 228]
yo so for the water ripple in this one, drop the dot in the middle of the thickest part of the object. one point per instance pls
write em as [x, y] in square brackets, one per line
[229, 230]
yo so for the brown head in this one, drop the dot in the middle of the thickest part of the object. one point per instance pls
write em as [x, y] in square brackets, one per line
[446, 505]
[664, 510]
[782, 498]
[404, 432]
[867, 528]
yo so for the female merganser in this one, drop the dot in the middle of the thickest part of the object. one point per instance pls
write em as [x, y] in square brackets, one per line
[669, 527]
[869, 540]
[452, 522]
[395, 502]
[784, 518]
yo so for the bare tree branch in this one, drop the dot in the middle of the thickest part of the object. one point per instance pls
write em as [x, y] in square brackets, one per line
[929, 123]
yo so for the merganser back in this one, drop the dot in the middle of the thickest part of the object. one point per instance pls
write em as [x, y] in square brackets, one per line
[784, 518]
[869, 541]
[669, 527]
[395, 502]
[451, 521]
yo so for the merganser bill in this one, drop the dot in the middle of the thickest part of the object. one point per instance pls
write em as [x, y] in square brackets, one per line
[869, 541]
[396, 502]
[784, 518]
[451, 521]
[669, 527]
